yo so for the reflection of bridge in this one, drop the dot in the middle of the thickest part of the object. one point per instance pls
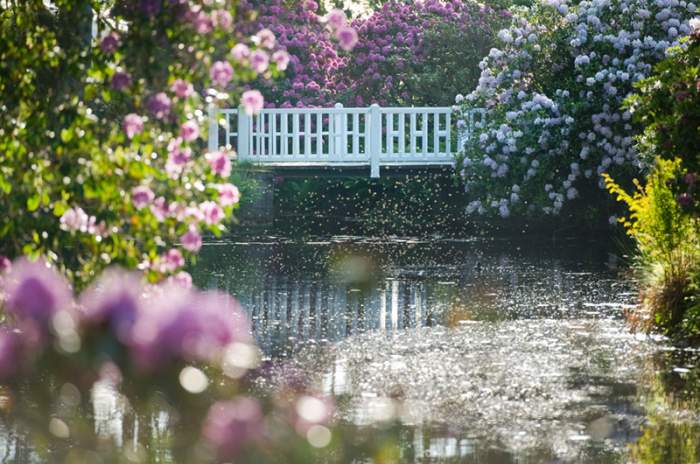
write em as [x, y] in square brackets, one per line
[291, 309]
[341, 137]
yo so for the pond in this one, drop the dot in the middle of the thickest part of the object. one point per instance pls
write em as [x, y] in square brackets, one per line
[473, 350]
[435, 350]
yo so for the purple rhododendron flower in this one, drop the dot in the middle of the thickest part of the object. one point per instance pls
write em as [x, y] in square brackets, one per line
[132, 125]
[110, 43]
[336, 18]
[221, 73]
[141, 196]
[121, 80]
[159, 105]
[347, 37]
[231, 425]
[114, 299]
[36, 292]
[188, 325]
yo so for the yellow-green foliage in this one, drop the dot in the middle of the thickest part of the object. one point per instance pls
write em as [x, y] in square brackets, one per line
[668, 240]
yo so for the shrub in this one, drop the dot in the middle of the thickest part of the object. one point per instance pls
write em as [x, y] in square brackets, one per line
[418, 53]
[168, 351]
[552, 93]
[311, 78]
[664, 218]
[667, 104]
[668, 242]
[102, 138]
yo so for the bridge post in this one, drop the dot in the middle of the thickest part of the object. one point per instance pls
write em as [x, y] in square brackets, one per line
[243, 131]
[213, 129]
[337, 139]
[375, 139]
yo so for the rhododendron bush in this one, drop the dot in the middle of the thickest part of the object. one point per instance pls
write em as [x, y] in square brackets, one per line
[166, 351]
[315, 44]
[102, 135]
[552, 92]
[419, 53]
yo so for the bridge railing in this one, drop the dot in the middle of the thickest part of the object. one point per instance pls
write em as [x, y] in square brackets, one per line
[339, 136]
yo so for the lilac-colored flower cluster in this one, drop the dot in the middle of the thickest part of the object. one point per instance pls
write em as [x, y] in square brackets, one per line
[544, 138]
[313, 61]
[156, 325]
[392, 45]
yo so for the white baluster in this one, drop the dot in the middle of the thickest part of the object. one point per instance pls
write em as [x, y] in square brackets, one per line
[213, 129]
[375, 139]
[244, 134]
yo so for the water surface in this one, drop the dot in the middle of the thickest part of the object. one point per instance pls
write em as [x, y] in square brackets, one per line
[474, 350]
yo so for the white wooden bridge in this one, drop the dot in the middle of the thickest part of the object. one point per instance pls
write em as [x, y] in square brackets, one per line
[341, 137]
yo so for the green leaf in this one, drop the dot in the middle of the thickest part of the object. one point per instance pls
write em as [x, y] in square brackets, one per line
[33, 202]
[66, 135]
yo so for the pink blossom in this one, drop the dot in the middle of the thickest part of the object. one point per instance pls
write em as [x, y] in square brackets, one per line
[228, 194]
[220, 163]
[252, 101]
[189, 131]
[191, 240]
[212, 213]
[75, 219]
[240, 52]
[281, 59]
[221, 73]
[222, 19]
[311, 5]
[179, 156]
[160, 209]
[259, 61]
[182, 88]
[172, 260]
[132, 125]
[335, 18]
[347, 37]
[181, 279]
[159, 105]
[141, 196]
[265, 38]
[110, 43]
[203, 23]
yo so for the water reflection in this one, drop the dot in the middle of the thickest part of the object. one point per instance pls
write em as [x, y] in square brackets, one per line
[475, 351]
[331, 289]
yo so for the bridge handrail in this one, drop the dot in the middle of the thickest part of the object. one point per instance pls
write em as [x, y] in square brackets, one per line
[340, 136]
